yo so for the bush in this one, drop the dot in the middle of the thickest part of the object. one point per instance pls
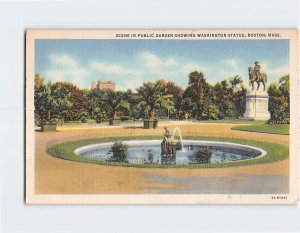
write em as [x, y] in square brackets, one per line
[125, 118]
[120, 151]
[203, 154]
[84, 117]
[98, 119]
[178, 146]
[283, 121]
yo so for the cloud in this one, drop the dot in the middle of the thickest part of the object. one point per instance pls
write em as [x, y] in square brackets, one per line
[274, 71]
[132, 84]
[111, 68]
[75, 75]
[233, 64]
[188, 68]
[155, 63]
[65, 68]
[216, 71]
[63, 60]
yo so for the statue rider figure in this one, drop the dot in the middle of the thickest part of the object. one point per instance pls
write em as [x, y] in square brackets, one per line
[257, 70]
[167, 133]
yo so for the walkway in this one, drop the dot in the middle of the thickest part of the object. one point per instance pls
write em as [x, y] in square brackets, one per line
[57, 176]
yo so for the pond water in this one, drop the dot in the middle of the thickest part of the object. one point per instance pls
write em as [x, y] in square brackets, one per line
[149, 151]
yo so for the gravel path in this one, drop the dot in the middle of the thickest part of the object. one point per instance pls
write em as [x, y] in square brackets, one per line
[57, 176]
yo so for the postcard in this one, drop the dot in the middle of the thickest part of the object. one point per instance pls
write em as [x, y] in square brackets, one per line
[162, 116]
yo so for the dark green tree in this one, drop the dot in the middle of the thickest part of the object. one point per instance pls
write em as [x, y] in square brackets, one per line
[114, 101]
[49, 101]
[153, 96]
[120, 151]
[279, 102]
[197, 92]
[78, 108]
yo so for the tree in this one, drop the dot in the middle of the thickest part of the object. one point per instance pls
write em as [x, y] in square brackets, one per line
[114, 101]
[197, 92]
[78, 99]
[230, 98]
[238, 95]
[95, 106]
[279, 102]
[177, 97]
[153, 96]
[284, 87]
[211, 112]
[49, 100]
[236, 82]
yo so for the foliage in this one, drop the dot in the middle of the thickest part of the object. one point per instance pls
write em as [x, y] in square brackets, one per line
[211, 112]
[179, 145]
[197, 92]
[119, 150]
[153, 96]
[49, 101]
[230, 98]
[78, 102]
[279, 102]
[176, 93]
[160, 99]
[125, 118]
[84, 117]
[98, 119]
[96, 108]
[114, 101]
[203, 154]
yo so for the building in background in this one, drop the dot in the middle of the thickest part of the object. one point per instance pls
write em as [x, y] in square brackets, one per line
[104, 85]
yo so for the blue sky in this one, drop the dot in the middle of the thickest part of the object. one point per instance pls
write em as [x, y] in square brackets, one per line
[129, 63]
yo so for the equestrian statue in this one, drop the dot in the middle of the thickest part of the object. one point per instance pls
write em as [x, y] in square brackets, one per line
[256, 76]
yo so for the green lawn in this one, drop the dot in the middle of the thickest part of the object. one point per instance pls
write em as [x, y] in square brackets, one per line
[265, 128]
[89, 121]
[234, 121]
[66, 150]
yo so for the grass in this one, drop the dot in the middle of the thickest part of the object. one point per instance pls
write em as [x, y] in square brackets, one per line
[234, 121]
[89, 121]
[226, 121]
[275, 152]
[265, 128]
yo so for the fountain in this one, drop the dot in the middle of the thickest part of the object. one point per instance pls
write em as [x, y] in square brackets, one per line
[180, 136]
[168, 148]
[167, 151]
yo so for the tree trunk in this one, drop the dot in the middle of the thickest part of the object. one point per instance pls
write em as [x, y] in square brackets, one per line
[49, 115]
[151, 114]
[113, 114]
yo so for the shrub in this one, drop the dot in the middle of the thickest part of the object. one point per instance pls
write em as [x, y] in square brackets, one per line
[178, 145]
[98, 119]
[125, 118]
[120, 150]
[203, 154]
[84, 117]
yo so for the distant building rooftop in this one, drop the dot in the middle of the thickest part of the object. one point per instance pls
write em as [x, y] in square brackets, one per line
[104, 85]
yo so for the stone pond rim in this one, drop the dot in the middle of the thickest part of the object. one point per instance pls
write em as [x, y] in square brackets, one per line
[228, 145]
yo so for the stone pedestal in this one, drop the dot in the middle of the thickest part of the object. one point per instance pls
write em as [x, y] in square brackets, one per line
[168, 151]
[257, 105]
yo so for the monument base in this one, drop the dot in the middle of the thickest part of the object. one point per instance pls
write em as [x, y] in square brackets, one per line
[257, 105]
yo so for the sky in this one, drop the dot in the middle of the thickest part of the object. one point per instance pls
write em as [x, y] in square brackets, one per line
[130, 63]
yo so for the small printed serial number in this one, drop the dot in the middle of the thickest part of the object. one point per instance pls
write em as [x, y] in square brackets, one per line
[279, 197]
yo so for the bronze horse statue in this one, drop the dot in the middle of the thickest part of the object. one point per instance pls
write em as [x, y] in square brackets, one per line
[253, 78]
